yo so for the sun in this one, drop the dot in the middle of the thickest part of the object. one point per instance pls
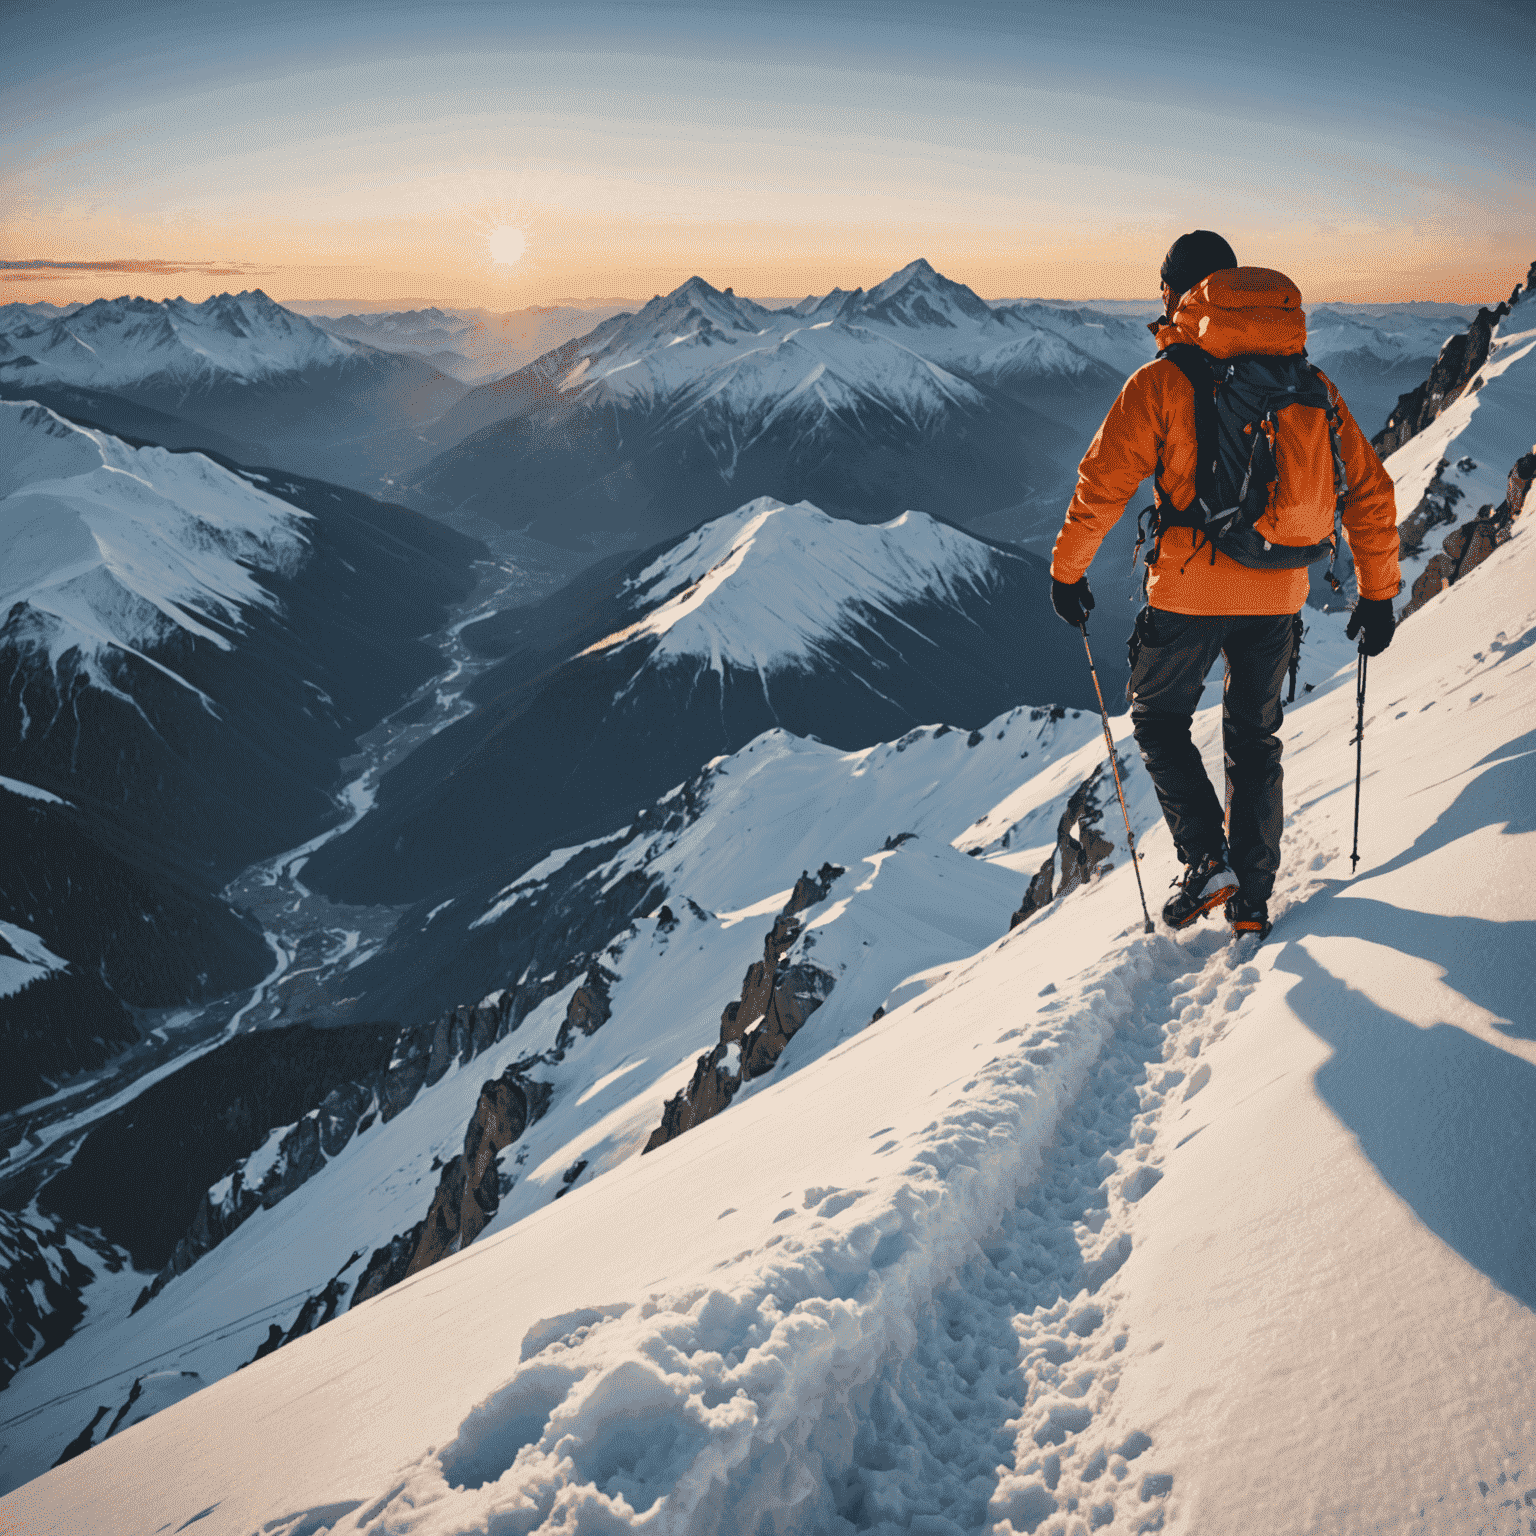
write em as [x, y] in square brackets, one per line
[507, 245]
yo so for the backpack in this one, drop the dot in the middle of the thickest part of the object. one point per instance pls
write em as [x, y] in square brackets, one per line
[1270, 482]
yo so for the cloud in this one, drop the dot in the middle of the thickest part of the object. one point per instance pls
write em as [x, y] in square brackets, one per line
[43, 271]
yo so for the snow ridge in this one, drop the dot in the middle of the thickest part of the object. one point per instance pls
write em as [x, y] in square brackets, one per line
[106, 548]
[238, 338]
[890, 349]
[770, 585]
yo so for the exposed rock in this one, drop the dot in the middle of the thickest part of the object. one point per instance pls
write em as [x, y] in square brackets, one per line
[468, 1191]
[148, 1395]
[777, 997]
[1436, 506]
[316, 1310]
[1469, 545]
[569, 1177]
[1080, 858]
[389, 1263]
[1521, 477]
[1454, 369]
[419, 1059]
[589, 1008]
[44, 1277]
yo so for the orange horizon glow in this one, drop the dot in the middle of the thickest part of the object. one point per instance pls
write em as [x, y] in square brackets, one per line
[395, 154]
[552, 277]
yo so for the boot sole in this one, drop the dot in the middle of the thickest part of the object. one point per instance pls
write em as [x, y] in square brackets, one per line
[1215, 899]
[1260, 931]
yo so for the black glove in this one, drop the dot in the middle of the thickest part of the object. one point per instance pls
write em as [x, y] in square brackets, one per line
[1072, 603]
[1372, 620]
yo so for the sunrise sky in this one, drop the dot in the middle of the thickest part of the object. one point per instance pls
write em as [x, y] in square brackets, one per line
[384, 152]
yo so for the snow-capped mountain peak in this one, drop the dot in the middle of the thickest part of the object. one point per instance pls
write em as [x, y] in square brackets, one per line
[770, 585]
[107, 548]
[113, 342]
[918, 295]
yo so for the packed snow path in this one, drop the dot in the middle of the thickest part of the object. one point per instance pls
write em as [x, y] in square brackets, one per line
[1099, 1231]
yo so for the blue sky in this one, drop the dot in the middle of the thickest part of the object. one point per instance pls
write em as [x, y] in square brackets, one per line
[1371, 151]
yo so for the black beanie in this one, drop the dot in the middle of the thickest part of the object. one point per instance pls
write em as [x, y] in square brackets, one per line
[1193, 257]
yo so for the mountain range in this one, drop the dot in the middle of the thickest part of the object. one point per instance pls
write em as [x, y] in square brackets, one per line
[981, 1309]
[471, 345]
[235, 373]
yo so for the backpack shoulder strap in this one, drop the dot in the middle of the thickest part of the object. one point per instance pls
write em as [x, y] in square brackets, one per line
[1195, 365]
[1340, 472]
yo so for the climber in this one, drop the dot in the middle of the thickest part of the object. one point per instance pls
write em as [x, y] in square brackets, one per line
[1281, 463]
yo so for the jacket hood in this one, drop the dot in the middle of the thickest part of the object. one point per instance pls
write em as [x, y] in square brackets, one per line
[1240, 309]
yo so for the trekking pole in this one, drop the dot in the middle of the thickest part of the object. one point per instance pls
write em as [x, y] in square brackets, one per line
[1114, 768]
[1359, 746]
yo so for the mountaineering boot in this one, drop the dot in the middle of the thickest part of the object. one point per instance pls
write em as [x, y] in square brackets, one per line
[1248, 918]
[1205, 884]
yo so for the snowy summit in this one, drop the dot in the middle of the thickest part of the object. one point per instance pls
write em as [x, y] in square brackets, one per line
[104, 547]
[770, 586]
[237, 337]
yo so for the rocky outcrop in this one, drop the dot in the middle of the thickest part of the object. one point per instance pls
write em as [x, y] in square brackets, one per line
[470, 1189]
[1080, 858]
[1522, 476]
[293, 1154]
[388, 1264]
[44, 1278]
[1454, 371]
[777, 996]
[469, 1193]
[1437, 506]
[316, 1310]
[1468, 546]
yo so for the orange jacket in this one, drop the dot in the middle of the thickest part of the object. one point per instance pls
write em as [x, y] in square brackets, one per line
[1150, 430]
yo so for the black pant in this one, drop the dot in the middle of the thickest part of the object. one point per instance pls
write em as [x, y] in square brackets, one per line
[1171, 653]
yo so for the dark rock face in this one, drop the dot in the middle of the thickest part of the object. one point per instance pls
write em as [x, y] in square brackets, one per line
[468, 1194]
[777, 997]
[1080, 858]
[1455, 368]
[470, 1189]
[1436, 507]
[388, 1264]
[315, 1311]
[418, 1059]
[41, 1304]
[1521, 477]
[1469, 545]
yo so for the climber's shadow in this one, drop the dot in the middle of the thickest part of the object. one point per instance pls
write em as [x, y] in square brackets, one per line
[1448, 1120]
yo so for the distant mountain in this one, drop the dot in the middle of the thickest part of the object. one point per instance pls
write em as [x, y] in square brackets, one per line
[618, 687]
[471, 345]
[1374, 358]
[187, 653]
[236, 365]
[915, 393]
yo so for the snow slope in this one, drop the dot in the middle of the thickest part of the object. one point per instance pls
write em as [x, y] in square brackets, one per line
[770, 586]
[107, 547]
[1097, 1230]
